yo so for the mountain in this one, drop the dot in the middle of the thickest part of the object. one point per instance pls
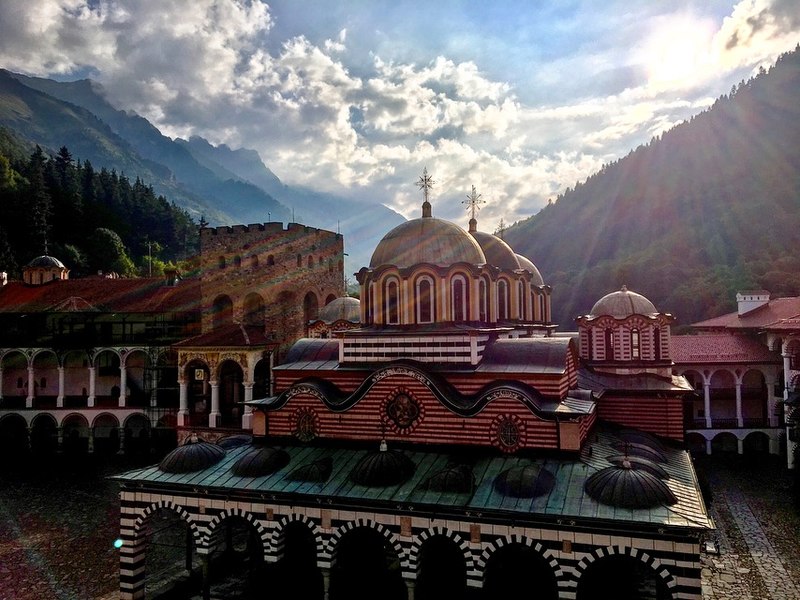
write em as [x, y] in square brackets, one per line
[239, 201]
[709, 208]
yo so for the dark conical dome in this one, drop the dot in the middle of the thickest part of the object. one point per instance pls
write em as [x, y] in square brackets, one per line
[192, 456]
[528, 481]
[315, 472]
[453, 478]
[622, 304]
[260, 461]
[427, 240]
[383, 468]
[626, 487]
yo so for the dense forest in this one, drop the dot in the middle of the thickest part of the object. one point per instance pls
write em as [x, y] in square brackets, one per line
[91, 220]
[710, 207]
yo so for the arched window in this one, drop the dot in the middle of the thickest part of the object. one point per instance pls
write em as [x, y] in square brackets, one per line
[483, 309]
[636, 351]
[392, 295]
[222, 311]
[460, 299]
[609, 344]
[310, 261]
[502, 300]
[270, 260]
[254, 309]
[589, 346]
[656, 343]
[542, 313]
[237, 261]
[221, 262]
[299, 261]
[425, 300]
[254, 261]
[521, 299]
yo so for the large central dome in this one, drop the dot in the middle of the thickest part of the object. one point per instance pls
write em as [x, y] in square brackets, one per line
[427, 240]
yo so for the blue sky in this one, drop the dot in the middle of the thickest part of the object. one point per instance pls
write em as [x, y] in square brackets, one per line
[520, 99]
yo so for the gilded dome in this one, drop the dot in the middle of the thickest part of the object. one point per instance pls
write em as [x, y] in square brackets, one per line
[622, 304]
[496, 251]
[427, 240]
[346, 308]
[528, 266]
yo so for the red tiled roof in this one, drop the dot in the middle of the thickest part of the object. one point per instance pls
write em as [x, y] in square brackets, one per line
[99, 294]
[719, 348]
[759, 318]
[233, 335]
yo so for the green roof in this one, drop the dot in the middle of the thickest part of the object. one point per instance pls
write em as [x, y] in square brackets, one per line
[567, 498]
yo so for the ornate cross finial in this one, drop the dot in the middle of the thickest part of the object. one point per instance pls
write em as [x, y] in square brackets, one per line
[425, 183]
[473, 202]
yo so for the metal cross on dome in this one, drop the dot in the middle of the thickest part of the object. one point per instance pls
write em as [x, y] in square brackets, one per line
[473, 202]
[425, 183]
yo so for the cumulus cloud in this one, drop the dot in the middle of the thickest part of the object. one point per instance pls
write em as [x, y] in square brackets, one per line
[324, 113]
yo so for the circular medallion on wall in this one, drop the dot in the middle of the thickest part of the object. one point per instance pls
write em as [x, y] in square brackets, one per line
[401, 412]
[305, 424]
[507, 432]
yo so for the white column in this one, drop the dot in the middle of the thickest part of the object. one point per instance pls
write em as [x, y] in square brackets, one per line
[707, 403]
[123, 384]
[60, 398]
[787, 368]
[213, 416]
[708, 447]
[740, 446]
[92, 385]
[31, 388]
[183, 409]
[247, 417]
[739, 418]
[771, 402]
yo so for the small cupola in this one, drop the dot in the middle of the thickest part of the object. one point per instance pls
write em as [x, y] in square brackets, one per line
[44, 269]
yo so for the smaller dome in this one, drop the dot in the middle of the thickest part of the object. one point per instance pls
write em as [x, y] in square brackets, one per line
[315, 472]
[496, 251]
[383, 468]
[234, 441]
[194, 455]
[260, 461]
[641, 450]
[622, 304]
[641, 437]
[453, 478]
[527, 481]
[637, 462]
[528, 266]
[47, 262]
[625, 487]
[341, 309]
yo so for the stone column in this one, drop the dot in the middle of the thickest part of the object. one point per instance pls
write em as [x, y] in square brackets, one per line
[247, 417]
[410, 585]
[92, 385]
[739, 417]
[31, 388]
[123, 384]
[60, 398]
[707, 403]
[708, 447]
[326, 582]
[204, 563]
[787, 368]
[771, 402]
[183, 409]
[213, 416]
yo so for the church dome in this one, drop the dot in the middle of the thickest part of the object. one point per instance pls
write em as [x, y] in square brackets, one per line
[341, 309]
[260, 461]
[525, 481]
[626, 487]
[383, 468]
[427, 240]
[194, 455]
[622, 304]
[46, 262]
[528, 266]
[496, 251]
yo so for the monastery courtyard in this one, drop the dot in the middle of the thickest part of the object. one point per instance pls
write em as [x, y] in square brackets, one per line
[57, 529]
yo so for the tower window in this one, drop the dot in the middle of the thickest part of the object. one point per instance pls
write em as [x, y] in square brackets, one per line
[392, 312]
[636, 352]
[425, 299]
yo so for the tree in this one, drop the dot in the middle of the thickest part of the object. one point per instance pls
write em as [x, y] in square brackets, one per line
[107, 253]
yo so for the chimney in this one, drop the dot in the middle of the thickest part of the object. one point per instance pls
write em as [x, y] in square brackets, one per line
[750, 300]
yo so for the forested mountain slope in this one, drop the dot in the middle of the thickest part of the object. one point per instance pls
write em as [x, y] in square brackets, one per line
[709, 208]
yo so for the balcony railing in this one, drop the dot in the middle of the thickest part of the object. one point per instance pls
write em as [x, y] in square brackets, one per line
[747, 423]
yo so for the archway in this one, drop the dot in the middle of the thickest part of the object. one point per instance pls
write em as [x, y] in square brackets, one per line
[622, 578]
[197, 376]
[15, 379]
[76, 379]
[694, 410]
[107, 378]
[221, 312]
[310, 307]
[236, 555]
[756, 444]
[512, 568]
[365, 567]
[13, 435]
[296, 576]
[254, 309]
[723, 399]
[75, 435]
[755, 411]
[442, 571]
[44, 435]
[172, 568]
[106, 434]
[231, 393]
[137, 392]
[696, 443]
[724, 443]
[137, 435]
[45, 381]
[261, 376]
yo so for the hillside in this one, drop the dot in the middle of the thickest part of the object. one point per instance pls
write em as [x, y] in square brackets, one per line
[709, 208]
